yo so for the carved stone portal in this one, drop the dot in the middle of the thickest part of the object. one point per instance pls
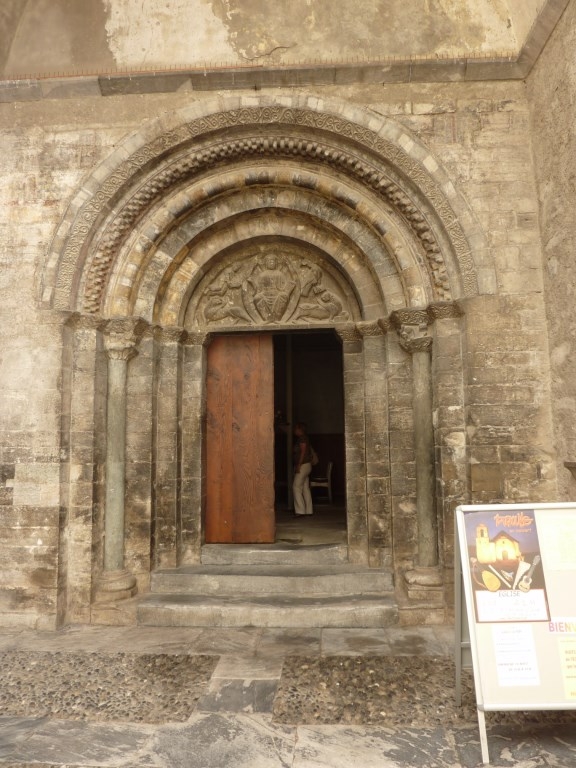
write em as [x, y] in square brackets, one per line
[268, 288]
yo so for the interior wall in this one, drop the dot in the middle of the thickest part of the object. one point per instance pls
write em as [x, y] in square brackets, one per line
[551, 95]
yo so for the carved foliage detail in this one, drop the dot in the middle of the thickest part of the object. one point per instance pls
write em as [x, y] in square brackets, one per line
[270, 289]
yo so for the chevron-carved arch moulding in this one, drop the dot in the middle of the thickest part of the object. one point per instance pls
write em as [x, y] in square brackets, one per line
[101, 206]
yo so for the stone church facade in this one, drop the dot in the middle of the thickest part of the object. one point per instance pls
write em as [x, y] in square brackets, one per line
[425, 222]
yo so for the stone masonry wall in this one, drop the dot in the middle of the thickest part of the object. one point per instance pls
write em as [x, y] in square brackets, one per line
[480, 132]
[551, 89]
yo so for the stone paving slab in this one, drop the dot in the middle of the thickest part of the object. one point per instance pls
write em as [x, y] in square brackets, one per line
[234, 719]
[68, 743]
[220, 740]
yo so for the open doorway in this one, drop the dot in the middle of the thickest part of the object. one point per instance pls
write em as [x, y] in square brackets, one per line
[309, 387]
[258, 385]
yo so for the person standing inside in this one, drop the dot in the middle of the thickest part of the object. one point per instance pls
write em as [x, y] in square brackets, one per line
[302, 469]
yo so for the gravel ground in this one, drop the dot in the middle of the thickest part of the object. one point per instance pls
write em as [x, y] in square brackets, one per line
[386, 690]
[120, 687]
[404, 691]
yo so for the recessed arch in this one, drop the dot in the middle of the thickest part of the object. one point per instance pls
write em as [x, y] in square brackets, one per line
[373, 152]
[357, 212]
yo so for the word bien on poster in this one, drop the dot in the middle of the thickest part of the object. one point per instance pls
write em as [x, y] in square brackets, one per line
[520, 566]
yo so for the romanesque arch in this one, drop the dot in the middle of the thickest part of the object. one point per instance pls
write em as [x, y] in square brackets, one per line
[159, 250]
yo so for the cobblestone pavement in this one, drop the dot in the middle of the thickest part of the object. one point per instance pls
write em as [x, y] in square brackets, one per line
[258, 698]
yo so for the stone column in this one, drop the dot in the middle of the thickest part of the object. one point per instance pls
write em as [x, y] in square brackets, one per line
[412, 327]
[120, 341]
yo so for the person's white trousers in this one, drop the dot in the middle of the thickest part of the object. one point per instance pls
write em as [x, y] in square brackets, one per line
[301, 490]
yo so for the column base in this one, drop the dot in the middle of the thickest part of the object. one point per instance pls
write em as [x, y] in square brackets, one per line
[115, 585]
[425, 583]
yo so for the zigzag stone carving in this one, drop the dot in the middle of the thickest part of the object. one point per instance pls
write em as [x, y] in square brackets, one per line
[316, 148]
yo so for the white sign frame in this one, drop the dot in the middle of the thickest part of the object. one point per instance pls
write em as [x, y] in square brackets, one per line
[523, 656]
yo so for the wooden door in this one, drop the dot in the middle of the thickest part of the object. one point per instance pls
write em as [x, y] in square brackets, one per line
[240, 440]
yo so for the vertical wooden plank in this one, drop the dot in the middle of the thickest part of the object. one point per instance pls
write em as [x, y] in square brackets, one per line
[239, 435]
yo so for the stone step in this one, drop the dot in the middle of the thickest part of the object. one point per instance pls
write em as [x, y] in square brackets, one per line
[273, 554]
[248, 580]
[271, 611]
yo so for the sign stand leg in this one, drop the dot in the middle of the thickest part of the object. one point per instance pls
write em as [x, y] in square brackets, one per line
[483, 737]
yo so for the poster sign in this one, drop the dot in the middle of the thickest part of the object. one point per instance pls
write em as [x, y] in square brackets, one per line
[518, 572]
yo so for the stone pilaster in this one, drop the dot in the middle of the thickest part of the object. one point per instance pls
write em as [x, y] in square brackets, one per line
[355, 430]
[377, 427]
[193, 490]
[168, 447]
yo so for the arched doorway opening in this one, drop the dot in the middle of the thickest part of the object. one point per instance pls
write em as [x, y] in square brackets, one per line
[147, 261]
[258, 387]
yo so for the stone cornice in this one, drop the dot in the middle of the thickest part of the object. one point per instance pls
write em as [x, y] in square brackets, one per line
[413, 69]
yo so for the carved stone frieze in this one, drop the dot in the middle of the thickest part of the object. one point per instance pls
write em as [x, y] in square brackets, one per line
[445, 309]
[349, 333]
[270, 288]
[197, 339]
[371, 329]
[189, 163]
[169, 335]
[80, 321]
[411, 316]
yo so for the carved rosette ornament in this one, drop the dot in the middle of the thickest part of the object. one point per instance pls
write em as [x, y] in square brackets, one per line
[270, 289]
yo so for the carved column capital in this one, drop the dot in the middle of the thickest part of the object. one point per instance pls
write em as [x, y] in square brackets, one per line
[412, 327]
[413, 344]
[121, 353]
[122, 336]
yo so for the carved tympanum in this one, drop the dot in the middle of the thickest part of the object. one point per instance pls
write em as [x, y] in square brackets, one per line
[271, 288]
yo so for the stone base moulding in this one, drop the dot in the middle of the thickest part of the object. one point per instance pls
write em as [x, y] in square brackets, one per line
[115, 585]
[425, 584]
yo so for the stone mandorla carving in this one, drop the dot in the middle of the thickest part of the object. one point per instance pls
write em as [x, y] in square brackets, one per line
[270, 289]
